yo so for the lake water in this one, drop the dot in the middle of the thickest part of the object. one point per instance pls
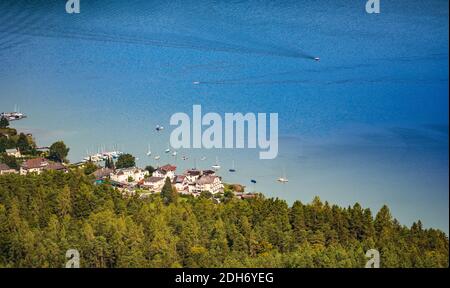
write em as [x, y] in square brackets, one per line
[368, 123]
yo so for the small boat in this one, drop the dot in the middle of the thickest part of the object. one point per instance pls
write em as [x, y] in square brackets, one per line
[232, 169]
[253, 181]
[174, 153]
[196, 82]
[203, 158]
[216, 166]
[316, 58]
[13, 116]
[168, 149]
[157, 157]
[283, 179]
[159, 128]
[116, 154]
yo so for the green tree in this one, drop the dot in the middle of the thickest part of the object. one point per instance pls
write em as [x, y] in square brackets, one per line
[90, 167]
[150, 169]
[162, 247]
[64, 202]
[109, 163]
[168, 193]
[23, 144]
[3, 143]
[58, 151]
[111, 230]
[219, 244]
[125, 161]
[11, 161]
[297, 219]
[384, 225]
[4, 123]
[206, 194]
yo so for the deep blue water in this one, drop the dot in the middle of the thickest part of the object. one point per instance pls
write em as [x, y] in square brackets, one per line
[368, 123]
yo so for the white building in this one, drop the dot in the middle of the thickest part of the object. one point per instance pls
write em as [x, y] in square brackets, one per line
[154, 184]
[180, 183]
[209, 183]
[4, 169]
[39, 165]
[196, 181]
[165, 171]
[36, 165]
[13, 152]
[102, 173]
[56, 167]
[192, 176]
[127, 175]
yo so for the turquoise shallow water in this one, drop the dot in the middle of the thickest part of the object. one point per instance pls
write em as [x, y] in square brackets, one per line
[368, 123]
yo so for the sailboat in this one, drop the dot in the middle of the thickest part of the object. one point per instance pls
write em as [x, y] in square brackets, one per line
[168, 149]
[283, 179]
[232, 169]
[195, 164]
[12, 116]
[216, 166]
[149, 152]
[87, 158]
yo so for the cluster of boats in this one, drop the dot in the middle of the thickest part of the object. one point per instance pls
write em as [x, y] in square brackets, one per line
[103, 156]
[216, 166]
[98, 157]
[12, 116]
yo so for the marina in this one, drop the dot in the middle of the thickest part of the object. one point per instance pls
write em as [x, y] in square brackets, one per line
[13, 116]
[99, 157]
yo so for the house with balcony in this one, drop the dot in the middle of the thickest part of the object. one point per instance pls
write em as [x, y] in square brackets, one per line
[56, 166]
[209, 183]
[154, 184]
[165, 171]
[192, 175]
[102, 173]
[181, 184]
[36, 165]
[129, 175]
[5, 169]
[13, 152]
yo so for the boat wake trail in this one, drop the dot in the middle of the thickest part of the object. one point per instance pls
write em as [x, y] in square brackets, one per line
[22, 20]
[190, 44]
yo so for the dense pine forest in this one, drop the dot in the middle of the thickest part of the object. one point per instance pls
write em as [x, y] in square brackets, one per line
[41, 217]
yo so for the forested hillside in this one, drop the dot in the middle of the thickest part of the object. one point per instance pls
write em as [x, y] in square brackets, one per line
[41, 217]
